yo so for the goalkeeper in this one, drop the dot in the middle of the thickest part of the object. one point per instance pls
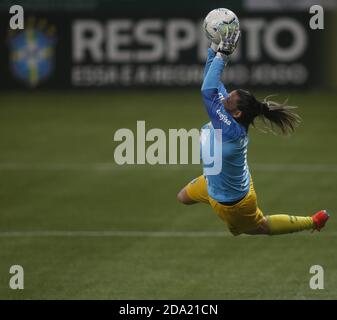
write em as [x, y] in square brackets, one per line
[231, 192]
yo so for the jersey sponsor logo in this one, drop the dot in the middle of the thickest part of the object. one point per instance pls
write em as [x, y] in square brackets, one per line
[221, 97]
[223, 117]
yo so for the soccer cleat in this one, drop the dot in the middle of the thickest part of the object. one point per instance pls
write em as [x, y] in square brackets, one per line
[320, 218]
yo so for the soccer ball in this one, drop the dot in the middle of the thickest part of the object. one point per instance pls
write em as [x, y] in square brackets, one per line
[221, 16]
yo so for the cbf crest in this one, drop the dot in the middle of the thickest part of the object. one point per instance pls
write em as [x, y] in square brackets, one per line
[32, 52]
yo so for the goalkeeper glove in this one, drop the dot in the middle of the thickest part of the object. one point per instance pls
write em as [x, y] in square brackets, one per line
[229, 38]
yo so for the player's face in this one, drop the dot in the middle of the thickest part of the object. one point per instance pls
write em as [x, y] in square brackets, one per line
[231, 102]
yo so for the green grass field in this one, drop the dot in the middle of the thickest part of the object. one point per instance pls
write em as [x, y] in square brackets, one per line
[121, 233]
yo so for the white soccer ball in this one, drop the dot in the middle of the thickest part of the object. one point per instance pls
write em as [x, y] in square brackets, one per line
[219, 16]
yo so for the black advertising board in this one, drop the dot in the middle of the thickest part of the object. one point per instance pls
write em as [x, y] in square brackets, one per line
[67, 50]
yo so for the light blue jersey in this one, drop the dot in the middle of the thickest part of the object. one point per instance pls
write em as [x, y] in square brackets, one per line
[232, 183]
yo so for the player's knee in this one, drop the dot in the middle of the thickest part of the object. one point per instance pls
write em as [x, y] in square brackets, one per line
[183, 198]
[180, 197]
[264, 226]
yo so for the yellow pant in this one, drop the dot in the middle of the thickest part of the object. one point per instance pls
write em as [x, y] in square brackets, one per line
[244, 216]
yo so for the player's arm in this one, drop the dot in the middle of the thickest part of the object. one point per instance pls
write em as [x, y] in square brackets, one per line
[210, 89]
[210, 57]
[229, 40]
[212, 50]
[213, 100]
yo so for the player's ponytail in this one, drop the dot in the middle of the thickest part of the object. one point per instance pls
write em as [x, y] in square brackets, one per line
[276, 114]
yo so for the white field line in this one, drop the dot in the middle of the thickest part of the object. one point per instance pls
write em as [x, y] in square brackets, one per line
[106, 167]
[132, 234]
[112, 234]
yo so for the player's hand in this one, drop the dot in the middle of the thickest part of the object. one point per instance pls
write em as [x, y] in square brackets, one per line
[229, 36]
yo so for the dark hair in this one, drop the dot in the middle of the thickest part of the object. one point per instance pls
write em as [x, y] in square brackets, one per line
[278, 114]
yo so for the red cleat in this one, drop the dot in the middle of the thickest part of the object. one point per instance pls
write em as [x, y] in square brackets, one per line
[320, 218]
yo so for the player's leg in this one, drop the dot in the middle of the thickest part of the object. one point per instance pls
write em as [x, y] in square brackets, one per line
[283, 223]
[194, 192]
[256, 223]
[246, 217]
[184, 198]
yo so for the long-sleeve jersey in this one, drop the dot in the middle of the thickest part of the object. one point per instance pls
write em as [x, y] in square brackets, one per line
[232, 183]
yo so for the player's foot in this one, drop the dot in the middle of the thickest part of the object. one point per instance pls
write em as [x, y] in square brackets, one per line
[320, 218]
